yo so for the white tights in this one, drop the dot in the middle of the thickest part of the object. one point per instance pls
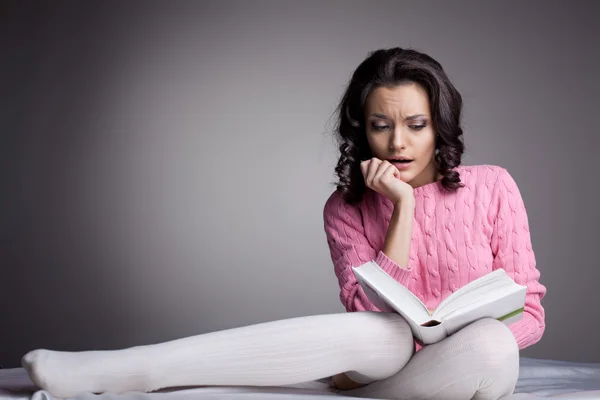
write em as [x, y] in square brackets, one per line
[481, 361]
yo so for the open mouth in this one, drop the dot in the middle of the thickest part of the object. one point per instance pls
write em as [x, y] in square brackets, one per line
[401, 164]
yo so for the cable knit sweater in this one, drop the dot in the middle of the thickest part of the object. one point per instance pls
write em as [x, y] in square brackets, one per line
[457, 237]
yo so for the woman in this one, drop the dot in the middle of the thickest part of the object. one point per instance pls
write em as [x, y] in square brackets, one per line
[403, 200]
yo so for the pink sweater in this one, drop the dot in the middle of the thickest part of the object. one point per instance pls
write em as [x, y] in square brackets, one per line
[457, 237]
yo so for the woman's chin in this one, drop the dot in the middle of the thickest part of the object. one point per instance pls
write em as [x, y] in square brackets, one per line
[405, 176]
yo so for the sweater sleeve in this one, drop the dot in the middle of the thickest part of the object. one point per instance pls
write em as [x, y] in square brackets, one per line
[511, 246]
[349, 248]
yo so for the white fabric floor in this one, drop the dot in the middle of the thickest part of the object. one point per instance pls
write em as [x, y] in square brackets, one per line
[537, 379]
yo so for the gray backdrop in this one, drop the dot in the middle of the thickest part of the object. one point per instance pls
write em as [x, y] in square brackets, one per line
[164, 165]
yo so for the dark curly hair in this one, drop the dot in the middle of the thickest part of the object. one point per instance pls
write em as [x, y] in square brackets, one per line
[391, 67]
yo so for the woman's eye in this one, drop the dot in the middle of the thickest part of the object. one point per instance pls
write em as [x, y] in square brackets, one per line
[379, 127]
[384, 127]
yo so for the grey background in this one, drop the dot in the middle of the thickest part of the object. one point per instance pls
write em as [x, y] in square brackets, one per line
[164, 165]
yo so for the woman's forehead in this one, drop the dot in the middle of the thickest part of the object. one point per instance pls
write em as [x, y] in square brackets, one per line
[403, 100]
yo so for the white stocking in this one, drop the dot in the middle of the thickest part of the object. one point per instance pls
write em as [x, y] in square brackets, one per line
[372, 346]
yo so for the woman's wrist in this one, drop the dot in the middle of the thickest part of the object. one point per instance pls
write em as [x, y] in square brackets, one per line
[397, 241]
[407, 203]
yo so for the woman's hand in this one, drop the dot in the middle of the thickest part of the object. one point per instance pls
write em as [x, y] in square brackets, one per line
[384, 178]
[342, 382]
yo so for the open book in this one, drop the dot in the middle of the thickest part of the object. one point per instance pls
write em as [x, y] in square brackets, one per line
[494, 295]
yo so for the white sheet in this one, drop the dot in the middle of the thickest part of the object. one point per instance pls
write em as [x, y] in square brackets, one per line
[537, 379]
[560, 379]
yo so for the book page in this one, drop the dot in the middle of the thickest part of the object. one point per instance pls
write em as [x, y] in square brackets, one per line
[469, 290]
[507, 308]
[391, 292]
[495, 289]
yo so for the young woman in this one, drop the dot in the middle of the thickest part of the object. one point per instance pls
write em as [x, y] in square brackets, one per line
[404, 200]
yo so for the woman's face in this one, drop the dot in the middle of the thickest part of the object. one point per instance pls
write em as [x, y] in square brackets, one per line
[398, 125]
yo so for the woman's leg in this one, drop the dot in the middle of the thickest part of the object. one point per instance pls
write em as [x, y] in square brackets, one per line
[371, 345]
[481, 361]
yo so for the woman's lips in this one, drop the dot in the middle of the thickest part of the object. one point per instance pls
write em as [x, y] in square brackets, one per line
[402, 165]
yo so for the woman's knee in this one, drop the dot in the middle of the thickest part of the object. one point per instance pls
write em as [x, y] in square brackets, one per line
[494, 344]
[496, 356]
[390, 337]
[389, 329]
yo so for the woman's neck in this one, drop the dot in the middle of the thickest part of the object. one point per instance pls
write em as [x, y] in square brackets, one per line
[429, 175]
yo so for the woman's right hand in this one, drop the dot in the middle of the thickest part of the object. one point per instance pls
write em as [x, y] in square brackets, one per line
[384, 178]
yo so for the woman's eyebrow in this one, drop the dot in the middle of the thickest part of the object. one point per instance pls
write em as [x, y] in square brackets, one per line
[383, 116]
[416, 116]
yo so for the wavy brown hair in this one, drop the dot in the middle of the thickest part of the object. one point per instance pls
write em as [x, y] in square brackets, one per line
[388, 68]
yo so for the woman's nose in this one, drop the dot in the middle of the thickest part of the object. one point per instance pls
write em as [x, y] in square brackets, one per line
[397, 141]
